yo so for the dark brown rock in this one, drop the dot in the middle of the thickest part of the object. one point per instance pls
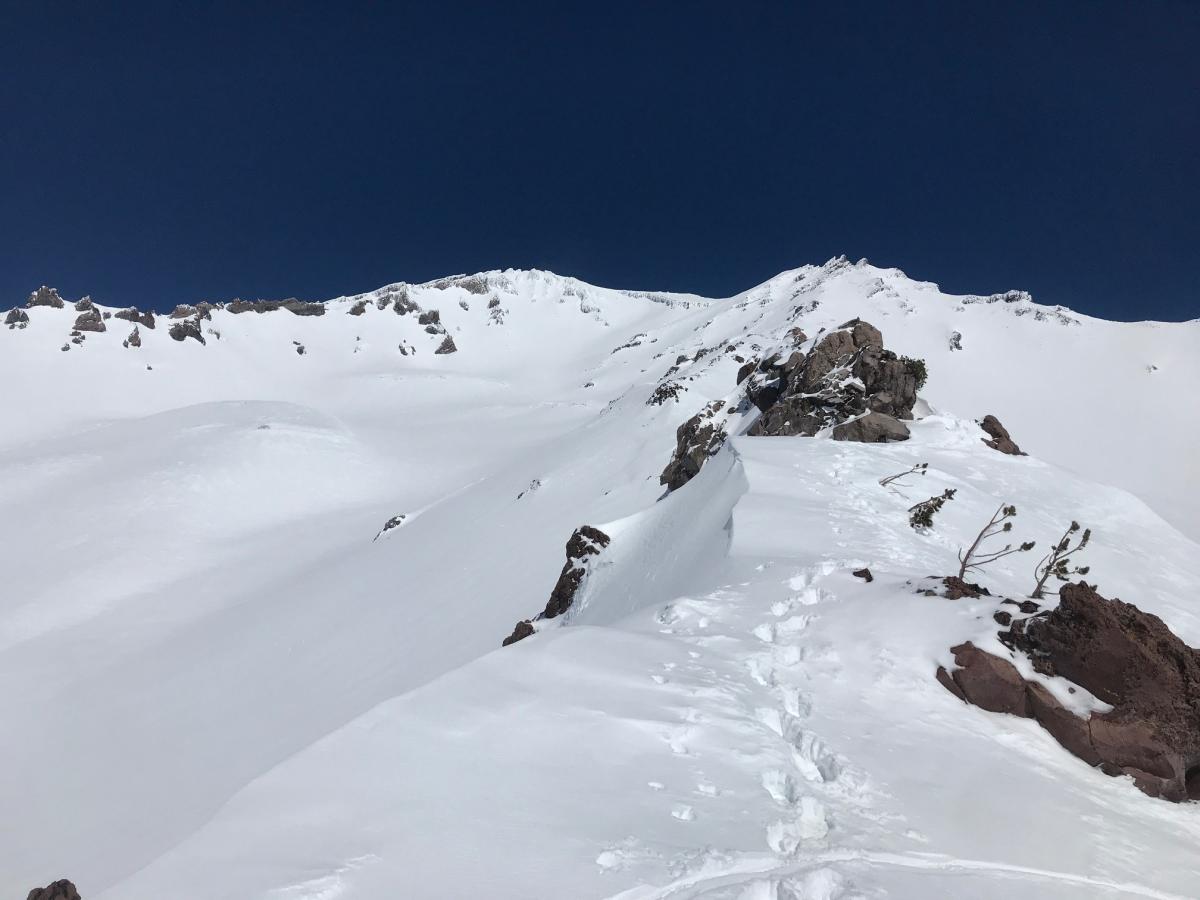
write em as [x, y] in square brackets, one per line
[957, 588]
[430, 317]
[183, 310]
[59, 890]
[1002, 618]
[989, 682]
[90, 320]
[523, 630]
[181, 331]
[134, 339]
[697, 439]
[1000, 439]
[745, 371]
[16, 318]
[446, 346]
[132, 314]
[585, 543]
[865, 575]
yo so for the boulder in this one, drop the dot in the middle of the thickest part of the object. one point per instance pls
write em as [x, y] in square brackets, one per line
[134, 339]
[864, 574]
[446, 346]
[181, 331]
[523, 629]
[696, 440]
[45, 296]
[999, 437]
[16, 318]
[91, 320]
[133, 315]
[59, 890]
[873, 428]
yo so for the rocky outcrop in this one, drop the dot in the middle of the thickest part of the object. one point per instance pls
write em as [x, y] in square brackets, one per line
[45, 296]
[696, 440]
[90, 320]
[16, 318]
[181, 331]
[848, 374]
[133, 315]
[585, 543]
[296, 307]
[1000, 439]
[1126, 658]
[134, 339]
[446, 346]
[59, 890]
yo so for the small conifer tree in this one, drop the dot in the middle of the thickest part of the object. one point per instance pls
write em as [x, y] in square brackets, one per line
[920, 515]
[1000, 523]
[1057, 562]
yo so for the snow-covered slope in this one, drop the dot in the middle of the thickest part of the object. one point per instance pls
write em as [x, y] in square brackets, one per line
[213, 676]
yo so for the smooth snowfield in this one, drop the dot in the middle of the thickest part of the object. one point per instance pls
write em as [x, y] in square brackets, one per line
[216, 682]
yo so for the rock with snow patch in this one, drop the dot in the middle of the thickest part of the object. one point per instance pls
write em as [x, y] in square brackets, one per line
[1124, 657]
[696, 440]
[847, 374]
[446, 346]
[134, 339]
[16, 318]
[584, 544]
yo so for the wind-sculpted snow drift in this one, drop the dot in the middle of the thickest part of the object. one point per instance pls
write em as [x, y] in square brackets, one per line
[218, 683]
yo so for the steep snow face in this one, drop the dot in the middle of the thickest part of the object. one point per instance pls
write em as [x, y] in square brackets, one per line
[203, 612]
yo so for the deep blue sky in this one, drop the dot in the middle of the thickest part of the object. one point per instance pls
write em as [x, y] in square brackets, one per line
[158, 153]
